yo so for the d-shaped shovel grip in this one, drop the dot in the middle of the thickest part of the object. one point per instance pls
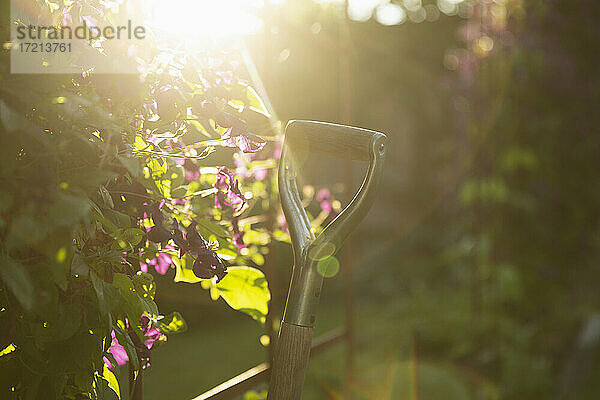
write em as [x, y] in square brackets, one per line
[333, 140]
[295, 336]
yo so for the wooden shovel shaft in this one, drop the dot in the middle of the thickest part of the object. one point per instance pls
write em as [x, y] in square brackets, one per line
[290, 362]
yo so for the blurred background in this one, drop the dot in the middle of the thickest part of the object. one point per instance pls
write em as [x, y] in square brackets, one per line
[476, 274]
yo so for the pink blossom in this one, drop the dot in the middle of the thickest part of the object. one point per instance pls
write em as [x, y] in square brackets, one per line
[117, 351]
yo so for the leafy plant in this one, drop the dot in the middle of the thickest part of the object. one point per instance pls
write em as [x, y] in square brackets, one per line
[107, 180]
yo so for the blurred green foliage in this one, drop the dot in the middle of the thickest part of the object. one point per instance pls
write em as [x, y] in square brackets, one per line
[483, 245]
[499, 276]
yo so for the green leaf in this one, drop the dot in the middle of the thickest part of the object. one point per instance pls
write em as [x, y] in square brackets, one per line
[99, 289]
[98, 215]
[172, 323]
[133, 302]
[108, 294]
[131, 165]
[149, 306]
[207, 228]
[65, 326]
[118, 218]
[112, 381]
[132, 236]
[83, 380]
[157, 168]
[245, 289]
[106, 198]
[260, 238]
[25, 230]
[8, 349]
[179, 193]
[177, 176]
[144, 284]
[67, 210]
[226, 254]
[129, 300]
[78, 266]
[200, 128]
[17, 280]
[255, 102]
[14, 121]
[183, 269]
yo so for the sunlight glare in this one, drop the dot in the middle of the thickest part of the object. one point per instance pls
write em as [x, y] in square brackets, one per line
[362, 10]
[329, 1]
[189, 20]
[390, 14]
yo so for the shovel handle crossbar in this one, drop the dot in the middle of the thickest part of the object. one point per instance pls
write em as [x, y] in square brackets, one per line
[295, 335]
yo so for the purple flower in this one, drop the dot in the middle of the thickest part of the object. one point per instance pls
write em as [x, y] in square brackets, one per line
[192, 171]
[324, 199]
[161, 263]
[260, 174]
[151, 334]
[326, 206]
[181, 202]
[246, 142]
[158, 233]
[229, 193]
[143, 266]
[117, 351]
[208, 264]
[241, 169]
[323, 194]
[282, 222]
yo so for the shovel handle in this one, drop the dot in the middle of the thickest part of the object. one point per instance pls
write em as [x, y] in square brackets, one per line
[293, 346]
[330, 139]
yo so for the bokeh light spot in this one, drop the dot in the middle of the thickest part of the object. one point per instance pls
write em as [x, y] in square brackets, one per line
[432, 13]
[265, 340]
[284, 55]
[322, 252]
[483, 46]
[413, 5]
[316, 28]
[447, 7]
[328, 267]
[390, 14]
[361, 10]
